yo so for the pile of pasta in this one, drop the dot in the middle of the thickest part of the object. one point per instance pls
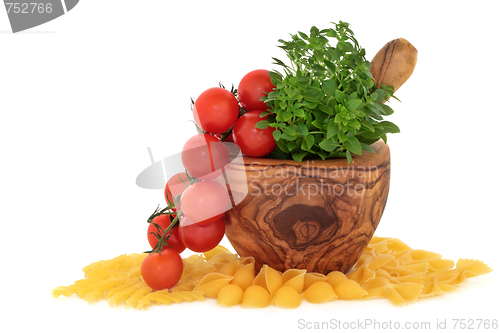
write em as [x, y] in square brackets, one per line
[388, 268]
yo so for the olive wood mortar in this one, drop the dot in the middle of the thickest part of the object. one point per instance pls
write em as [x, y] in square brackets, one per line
[315, 215]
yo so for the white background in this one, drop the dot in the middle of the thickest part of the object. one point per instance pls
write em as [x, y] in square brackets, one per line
[83, 96]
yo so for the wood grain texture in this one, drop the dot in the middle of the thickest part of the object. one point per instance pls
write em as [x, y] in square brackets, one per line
[394, 63]
[315, 215]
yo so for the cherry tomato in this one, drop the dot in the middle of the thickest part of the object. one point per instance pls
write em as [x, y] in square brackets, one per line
[173, 242]
[204, 156]
[175, 186]
[254, 142]
[204, 202]
[252, 87]
[201, 237]
[216, 110]
[162, 270]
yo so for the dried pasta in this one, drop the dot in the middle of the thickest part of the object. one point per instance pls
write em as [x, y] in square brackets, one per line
[244, 276]
[230, 295]
[388, 268]
[294, 278]
[287, 297]
[349, 290]
[320, 292]
[269, 279]
[255, 296]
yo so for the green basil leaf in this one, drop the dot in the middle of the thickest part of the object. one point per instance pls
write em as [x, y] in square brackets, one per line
[309, 105]
[303, 35]
[289, 130]
[286, 115]
[353, 104]
[302, 129]
[329, 87]
[366, 147]
[348, 156]
[263, 124]
[378, 95]
[287, 137]
[276, 135]
[282, 145]
[308, 142]
[387, 110]
[331, 130]
[273, 94]
[339, 96]
[330, 66]
[322, 154]
[292, 145]
[342, 136]
[336, 54]
[389, 127]
[326, 109]
[317, 123]
[366, 125]
[297, 157]
[328, 145]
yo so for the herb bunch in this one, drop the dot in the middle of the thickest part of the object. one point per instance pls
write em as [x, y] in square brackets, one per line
[326, 103]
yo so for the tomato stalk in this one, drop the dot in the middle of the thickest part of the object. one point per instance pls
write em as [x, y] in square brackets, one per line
[163, 238]
[225, 135]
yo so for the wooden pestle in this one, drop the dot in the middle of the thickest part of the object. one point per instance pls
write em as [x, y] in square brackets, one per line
[394, 63]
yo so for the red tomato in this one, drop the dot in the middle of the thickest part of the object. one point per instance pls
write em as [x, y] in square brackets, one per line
[162, 270]
[204, 202]
[204, 156]
[175, 186]
[252, 87]
[173, 242]
[254, 142]
[216, 110]
[201, 237]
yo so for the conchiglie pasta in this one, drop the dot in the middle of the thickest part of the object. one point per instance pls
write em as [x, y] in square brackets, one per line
[269, 279]
[335, 277]
[287, 297]
[294, 278]
[387, 268]
[310, 278]
[244, 276]
[211, 283]
[349, 290]
[320, 292]
[255, 296]
[230, 268]
[216, 250]
[230, 295]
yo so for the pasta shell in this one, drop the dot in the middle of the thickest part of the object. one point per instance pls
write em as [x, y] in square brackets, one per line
[244, 276]
[287, 297]
[335, 277]
[294, 278]
[255, 297]
[211, 283]
[216, 250]
[320, 292]
[269, 279]
[349, 290]
[229, 269]
[310, 278]
[230, 295]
